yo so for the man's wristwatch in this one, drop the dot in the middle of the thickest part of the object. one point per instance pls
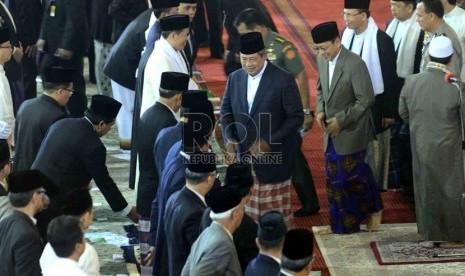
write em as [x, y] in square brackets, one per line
[307, 111]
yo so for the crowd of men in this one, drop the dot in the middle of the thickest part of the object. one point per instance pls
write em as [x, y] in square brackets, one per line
[388, 102]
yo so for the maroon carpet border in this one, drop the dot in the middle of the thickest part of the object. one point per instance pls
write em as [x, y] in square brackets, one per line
[295, 33]
[374, 247]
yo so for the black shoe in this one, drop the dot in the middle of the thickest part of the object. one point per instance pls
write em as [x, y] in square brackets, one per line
[303, 213]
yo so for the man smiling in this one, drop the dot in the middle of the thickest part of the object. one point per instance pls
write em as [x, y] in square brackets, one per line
[261, 114]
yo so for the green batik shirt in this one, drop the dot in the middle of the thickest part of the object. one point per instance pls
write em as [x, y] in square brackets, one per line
[281, 52]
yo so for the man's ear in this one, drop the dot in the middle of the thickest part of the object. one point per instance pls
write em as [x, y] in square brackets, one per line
[80, 246]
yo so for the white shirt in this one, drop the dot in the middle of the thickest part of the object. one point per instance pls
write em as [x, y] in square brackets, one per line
[63, 266]
[6, 102]
[252, 85]
[225, 229]
[174, 113]
[456, 19]
[357, 43]
[152, 21]
[88, 262]
[202, 198]
[164, 58]
[331, 66]
[399, 34]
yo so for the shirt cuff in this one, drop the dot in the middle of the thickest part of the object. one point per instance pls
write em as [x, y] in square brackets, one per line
[125, 211]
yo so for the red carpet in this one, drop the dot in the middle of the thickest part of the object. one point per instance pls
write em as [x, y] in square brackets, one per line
[291, 22]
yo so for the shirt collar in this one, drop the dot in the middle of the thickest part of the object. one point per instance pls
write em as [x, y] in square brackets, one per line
[273, 257]
[174, 114]
[197, 194]
[225, 229]
[33, 220]
[333, 62]
[185, 155]
[260, 74]
[3, 185]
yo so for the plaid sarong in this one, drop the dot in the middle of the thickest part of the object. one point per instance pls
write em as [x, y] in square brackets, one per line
[268, 197]
[144, 237]
[353, 193]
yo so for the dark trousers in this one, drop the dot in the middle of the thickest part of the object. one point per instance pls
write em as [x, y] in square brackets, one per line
[29, 77]
[17, 94]
[78, 102]
[303, 183]
[215, 24]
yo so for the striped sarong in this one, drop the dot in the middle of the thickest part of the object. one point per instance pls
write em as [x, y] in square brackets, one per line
[353, 193]
[268, 197]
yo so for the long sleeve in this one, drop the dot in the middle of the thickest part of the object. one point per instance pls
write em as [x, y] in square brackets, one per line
[6, 103]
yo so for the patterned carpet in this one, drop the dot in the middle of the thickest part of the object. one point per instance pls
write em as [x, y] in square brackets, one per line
[294, 20]
[352, 255]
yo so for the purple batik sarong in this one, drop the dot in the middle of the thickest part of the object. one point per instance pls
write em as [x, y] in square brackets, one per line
[353, 193]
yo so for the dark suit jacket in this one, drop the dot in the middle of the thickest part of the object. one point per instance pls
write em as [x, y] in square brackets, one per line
[139, 86]
[386, 105]
[35, 116]
[277, 109]
[71, 155]
[28, 18]
[191, 55]
[172, 180]
[123, 12]
[123, 59]
[68, 29]
[262, 265]
[20, 246]
[166, 139]
[101, 26]
[182, 221]
[349, 100]
[154, 119]
[244, 237]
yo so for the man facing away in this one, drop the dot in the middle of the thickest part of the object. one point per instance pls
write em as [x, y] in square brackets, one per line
[297, 257]
[213, 253]
[79, 205]
[67, 240]
[270, 240]
[432, 109]
[184, 210]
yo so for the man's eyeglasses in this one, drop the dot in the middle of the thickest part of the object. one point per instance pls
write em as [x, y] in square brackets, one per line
[322, 49]
[7, 47]
[69, 90]
[41, 191]
[346, 14]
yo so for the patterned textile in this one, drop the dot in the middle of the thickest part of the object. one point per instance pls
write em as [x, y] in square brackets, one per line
[270, 197]
[144, 237]
[400, 163]
[103, 81]
[377, 157]
[352, 192]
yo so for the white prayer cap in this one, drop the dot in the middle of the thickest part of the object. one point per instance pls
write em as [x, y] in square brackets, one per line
[440, 47]
[5, 130]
